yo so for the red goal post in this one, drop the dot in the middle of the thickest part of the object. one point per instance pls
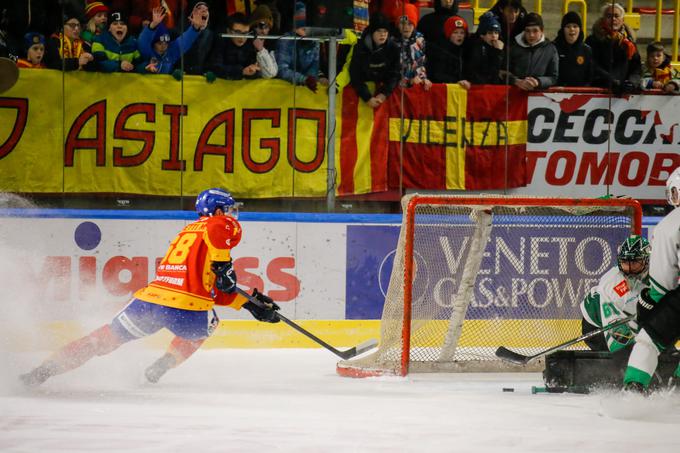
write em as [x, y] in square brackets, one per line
[472, 273]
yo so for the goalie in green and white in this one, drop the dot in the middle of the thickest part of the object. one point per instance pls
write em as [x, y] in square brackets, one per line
[615, 296]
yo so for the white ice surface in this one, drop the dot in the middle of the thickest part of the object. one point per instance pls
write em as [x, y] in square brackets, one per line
[292, 401]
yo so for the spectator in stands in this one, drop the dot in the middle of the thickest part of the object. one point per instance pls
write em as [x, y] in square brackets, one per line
[196, 58]
[485, 54]
[412, 49]
[657, 73]
[66, 50]
[35, 51]
[158, 51]
[224, 9]
[298, 60]
[533, 58]
[261, 22]
[375, 59]
[432, 25]
[115, 50]
[510, 14]
[446, 62]
[617, 61]
[235, 58]
[576, 58]
[97, 15]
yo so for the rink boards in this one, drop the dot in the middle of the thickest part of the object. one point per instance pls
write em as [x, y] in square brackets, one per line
[72, 270]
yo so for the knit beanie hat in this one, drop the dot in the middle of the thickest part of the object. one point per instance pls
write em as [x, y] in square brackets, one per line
[411, 14]
[32, 38]
[160, 34]
[533, 19]
[92, 7]
[262, 14]
[300, 15]
[117, 16]
[452, 23]
[378, 21]
[488, 22]
[572, 17]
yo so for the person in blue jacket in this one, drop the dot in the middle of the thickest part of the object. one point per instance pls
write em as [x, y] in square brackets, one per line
[160, 53]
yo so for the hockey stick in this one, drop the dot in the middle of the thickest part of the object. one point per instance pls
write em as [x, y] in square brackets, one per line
[521, 359]
[348, 354]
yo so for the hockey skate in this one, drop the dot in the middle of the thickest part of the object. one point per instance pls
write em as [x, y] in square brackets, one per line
[160, 367]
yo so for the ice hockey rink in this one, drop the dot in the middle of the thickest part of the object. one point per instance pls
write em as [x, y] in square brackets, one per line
[291, 400]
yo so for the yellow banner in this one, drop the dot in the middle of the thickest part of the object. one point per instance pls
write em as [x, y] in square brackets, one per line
[82, 132]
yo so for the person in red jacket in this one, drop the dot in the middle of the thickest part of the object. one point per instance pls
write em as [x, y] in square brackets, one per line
[195, 274]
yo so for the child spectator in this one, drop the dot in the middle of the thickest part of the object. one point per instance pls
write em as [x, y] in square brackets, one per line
[196, 57]
[485, 54]
[657, 73]
[115, 50]
[510, 14]
[412, 49]
[533, 59]
[158, 51]
[446, 62]
[298, 59]
[618, 65]
[432, 25]
[375, 59]
[97, 16]
[576, 57]
[261, 22]
[35, 51]
[65, 50]
[235, 58]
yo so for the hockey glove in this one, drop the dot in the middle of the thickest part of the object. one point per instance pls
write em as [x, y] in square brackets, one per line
[210, 77]
[623, 334]
[645, 305]
[226, 277]
[178, 74]
[264, 313]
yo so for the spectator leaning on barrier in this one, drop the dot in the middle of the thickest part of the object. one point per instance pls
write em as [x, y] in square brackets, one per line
[35, 51]
[298, 59]
[195, 58]
[412, 49]
[533, 59]
[115, 50]
[97, 16]
[485, 52]
[432, 25]
[657, 73]
[261, 22]
[159, 52]
[617, 61]
[510, 14]
[234, 58]
[375, 59]
[447, 60]
[66, 50]
[576, 57]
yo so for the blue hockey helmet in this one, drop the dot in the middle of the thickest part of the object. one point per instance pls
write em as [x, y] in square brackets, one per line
[210, 200]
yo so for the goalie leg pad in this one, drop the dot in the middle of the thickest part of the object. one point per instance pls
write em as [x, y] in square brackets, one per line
[663, 323]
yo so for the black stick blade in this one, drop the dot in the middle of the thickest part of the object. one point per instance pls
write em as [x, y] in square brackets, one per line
[511, 356]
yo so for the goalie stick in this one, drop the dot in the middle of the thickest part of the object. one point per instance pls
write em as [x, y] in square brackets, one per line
[348, 354]
[521, 359]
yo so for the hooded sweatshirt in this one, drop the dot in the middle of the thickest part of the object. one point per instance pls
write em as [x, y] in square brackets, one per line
[576, 67]
[539, 61]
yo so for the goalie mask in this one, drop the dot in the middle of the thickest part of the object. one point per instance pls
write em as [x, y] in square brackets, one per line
[210, 200]
[633, 256]
[673, 188]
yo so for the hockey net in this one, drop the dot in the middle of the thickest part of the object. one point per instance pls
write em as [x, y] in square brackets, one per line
[471, 274]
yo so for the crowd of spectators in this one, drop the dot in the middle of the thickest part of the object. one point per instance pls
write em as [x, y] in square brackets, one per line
[398, 47]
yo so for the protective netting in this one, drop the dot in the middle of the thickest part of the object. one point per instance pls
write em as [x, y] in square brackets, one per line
[492, 274]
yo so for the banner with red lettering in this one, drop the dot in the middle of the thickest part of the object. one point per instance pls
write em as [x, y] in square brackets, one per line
[570, 154]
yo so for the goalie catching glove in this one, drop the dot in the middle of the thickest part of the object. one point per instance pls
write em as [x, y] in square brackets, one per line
[266, 312]
[226, 277]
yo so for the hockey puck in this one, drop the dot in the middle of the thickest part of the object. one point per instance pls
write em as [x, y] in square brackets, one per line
[508, 389]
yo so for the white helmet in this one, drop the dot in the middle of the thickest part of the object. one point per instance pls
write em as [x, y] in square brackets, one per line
[673, 182]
